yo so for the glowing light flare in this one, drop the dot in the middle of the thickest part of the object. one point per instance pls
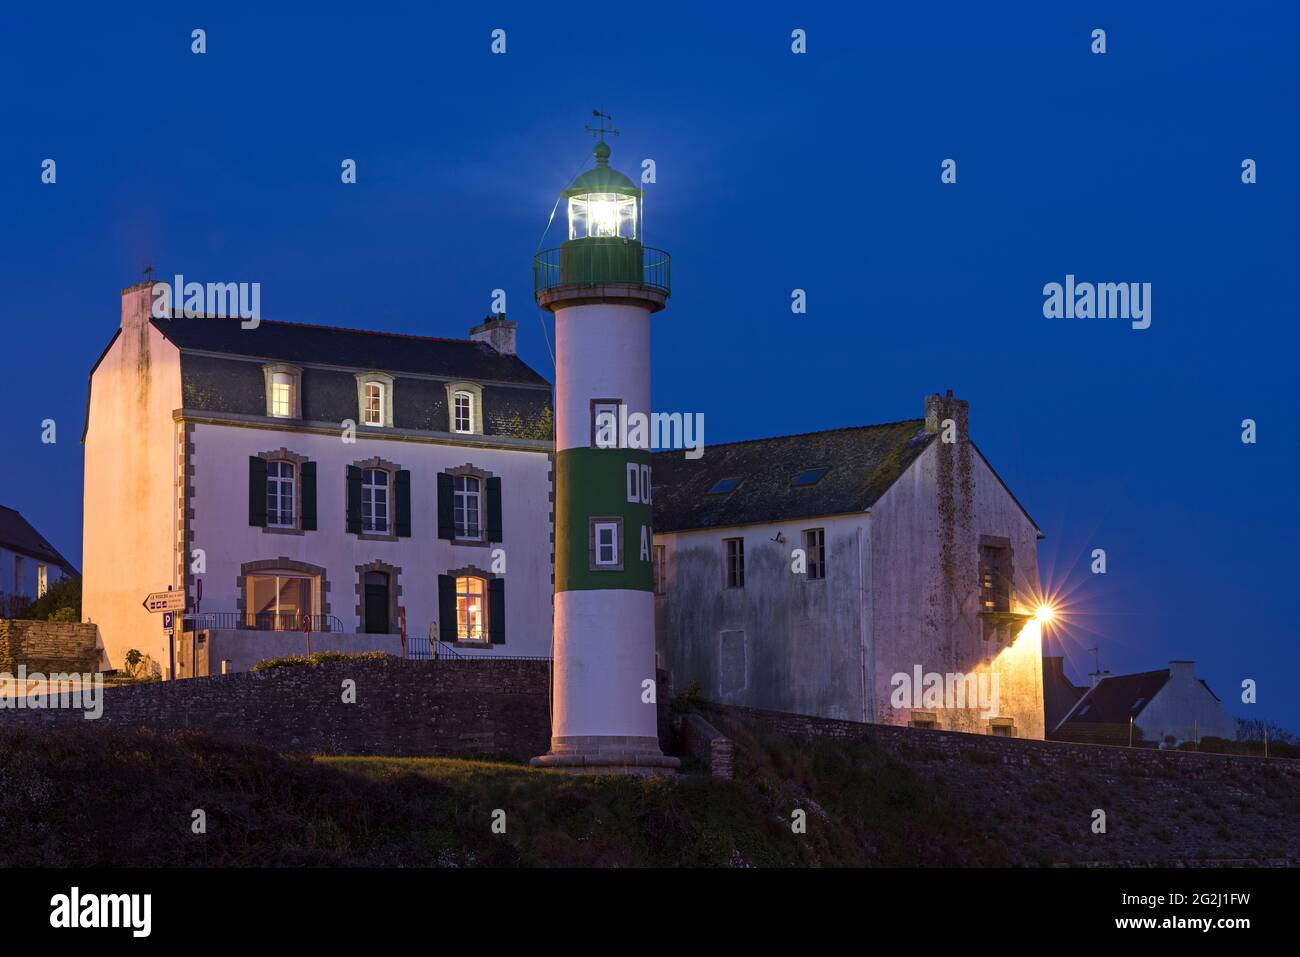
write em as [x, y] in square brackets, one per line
[1044, 614]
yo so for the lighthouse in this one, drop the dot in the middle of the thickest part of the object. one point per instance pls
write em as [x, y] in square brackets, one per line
[603, 285]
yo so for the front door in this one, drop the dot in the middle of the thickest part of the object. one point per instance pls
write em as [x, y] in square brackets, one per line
[376, 603]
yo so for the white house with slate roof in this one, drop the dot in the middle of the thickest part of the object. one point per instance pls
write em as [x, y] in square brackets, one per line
[29, 564]
[311, 478]
[915, 560]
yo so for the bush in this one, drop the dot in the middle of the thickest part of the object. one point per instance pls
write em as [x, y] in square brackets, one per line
[317, 658]
[60, 599]
[688, 699]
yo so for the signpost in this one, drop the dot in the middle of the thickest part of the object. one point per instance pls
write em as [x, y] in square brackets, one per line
[169, 623]
[161, 601]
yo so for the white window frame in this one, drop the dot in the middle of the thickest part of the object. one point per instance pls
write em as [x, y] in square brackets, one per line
[369, 511]
[374, 406]
[598, 407]
[814, 546]
[486, 636]
[282, 389]
[459, 397]
[313, 594]
[733, 562]
[601, 528]
[280, 481]
[462, 496]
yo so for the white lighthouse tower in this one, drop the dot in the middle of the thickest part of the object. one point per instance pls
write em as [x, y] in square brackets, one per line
[603, 285]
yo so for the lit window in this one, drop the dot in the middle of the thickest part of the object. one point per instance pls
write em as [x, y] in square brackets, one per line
[467, 510]
[462, 412]
[659, 569]
[606, 535]
[277, 602]
[809, 477]
[42, 580]
[995, 578]
[282, 404]
[735, 562]
[374, 500]
[814, 546]
[602, 214]
[471, 609]
[373, 412]
[280, 494]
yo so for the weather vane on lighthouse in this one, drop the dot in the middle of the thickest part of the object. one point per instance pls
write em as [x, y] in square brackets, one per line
[600, 130]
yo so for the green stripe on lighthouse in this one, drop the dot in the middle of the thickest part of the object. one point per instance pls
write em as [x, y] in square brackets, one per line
[596, 483]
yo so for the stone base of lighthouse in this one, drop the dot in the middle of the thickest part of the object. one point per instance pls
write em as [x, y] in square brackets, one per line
[601, 722]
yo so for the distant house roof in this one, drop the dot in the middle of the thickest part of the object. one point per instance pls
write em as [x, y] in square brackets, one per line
[17, 535]
[1060, 694]
[860, 464]
[1117, 698]
[351, 348]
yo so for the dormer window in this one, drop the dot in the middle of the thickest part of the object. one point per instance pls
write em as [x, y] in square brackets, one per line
[283, 391]
[463, 412]
[465, 408]
[375, 399]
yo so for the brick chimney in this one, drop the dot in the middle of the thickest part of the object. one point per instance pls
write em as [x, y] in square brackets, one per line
[498, 332]
[940, 407]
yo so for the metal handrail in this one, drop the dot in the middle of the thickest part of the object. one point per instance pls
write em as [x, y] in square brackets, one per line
[263, 621]
[580, 264]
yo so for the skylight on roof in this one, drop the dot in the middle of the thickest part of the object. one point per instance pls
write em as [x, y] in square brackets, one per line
[724, 486]
[809, 477]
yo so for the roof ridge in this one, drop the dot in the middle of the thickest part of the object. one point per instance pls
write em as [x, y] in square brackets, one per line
[316, 325]
[804, 435]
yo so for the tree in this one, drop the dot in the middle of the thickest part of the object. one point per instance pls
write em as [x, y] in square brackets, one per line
[63, 599]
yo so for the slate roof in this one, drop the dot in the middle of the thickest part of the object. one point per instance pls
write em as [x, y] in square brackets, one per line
[863, 462]
[17, 535]
[1118, 698]
[351, 348]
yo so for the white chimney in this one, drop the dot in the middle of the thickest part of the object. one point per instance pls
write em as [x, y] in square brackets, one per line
[1182, 670]
[498, 332]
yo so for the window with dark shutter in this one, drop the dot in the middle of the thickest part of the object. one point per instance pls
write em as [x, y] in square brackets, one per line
[354, 500]
[494, 509]
[307, 475]
[402, 495]
[497, 611]
[257, 491]
[446, 507]
[446, 608]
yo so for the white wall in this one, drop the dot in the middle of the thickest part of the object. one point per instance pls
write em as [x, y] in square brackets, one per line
[1185, 710]
[18, 574]
[801, 649]
[220, 527]
[130, 514]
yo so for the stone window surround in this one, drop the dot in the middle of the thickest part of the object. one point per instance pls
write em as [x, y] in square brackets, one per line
[476, 406]
[284, 455]
[592, 522]
[923, 719]
[473, 571]
[482, 475]
[270, 370]
[394, 573]
[284, 564]
[375, 462]
[592, 416]
[1008, 723]
[384, 379]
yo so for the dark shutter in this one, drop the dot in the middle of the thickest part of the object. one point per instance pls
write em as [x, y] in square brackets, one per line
[494, 509]
[497, 611]
[402, 495]
[446, 608]
[257, 490]
[446, 507]
[354, 501]
[308, 475]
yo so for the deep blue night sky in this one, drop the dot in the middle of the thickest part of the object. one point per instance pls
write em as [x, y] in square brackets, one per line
[775, 171]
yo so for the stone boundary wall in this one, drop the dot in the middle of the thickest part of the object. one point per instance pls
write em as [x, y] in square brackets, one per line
[906, 742]
[708, 745]
[48, 646]
[487, 707]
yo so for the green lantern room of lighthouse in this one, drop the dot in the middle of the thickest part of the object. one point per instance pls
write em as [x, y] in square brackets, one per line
[603, 243]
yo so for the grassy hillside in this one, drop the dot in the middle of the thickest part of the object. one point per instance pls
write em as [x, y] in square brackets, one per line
[77, 796]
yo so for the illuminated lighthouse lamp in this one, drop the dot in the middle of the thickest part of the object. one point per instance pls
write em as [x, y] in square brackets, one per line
[602, 202]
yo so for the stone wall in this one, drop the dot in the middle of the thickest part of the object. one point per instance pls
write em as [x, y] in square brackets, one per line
[708, 745]
[984, 748]
[48, 646]
[490, 707]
